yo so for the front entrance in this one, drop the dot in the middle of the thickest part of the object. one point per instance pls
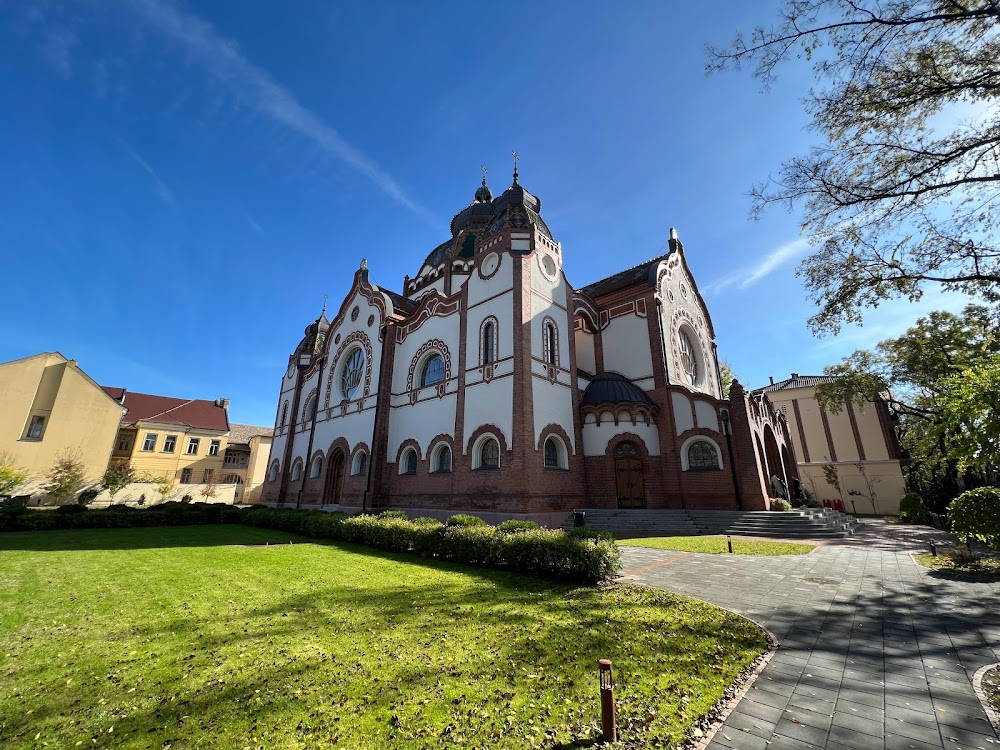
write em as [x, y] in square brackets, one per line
[334, 480]
[628, 476]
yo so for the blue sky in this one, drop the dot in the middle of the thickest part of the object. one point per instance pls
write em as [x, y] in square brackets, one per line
[184, 181]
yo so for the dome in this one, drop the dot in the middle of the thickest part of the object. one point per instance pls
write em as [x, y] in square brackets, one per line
[612, 388]
[484, 194]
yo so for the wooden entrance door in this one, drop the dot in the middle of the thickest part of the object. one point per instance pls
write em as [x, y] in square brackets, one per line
[335, 479]
[628, 476]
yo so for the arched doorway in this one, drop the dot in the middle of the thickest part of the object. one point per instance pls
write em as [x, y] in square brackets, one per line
[628, 476]
[334, 489]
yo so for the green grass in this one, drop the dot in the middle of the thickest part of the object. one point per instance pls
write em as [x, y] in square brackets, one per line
[717, 545]
[181, 637]
[987, 568]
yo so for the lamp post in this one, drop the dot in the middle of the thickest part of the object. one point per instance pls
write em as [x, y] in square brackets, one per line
[732, 463]
[609, 727]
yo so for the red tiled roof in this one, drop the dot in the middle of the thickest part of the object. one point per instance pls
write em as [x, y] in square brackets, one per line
[629, 277]
[198, 413]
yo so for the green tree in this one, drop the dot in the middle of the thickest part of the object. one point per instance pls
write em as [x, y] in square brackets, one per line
[11, 475]
[726, 376]
[901, 188]
[118, 476]
[66, 476]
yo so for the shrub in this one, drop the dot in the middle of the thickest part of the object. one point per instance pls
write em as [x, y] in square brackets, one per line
[912, 510]
[464, 519]
[426, 521]
[186, 499]
[582, 532]
[780, 504]
[810, 500]
[975, 515]
[400, 514]
[87, 496]
[514, 526]
[70, 509]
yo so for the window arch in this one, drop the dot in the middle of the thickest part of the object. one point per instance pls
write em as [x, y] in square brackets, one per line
[441, 459]
[360, 463]
[316, 468]
[691, 366]
[700, 453]
[296, 470]
[310, 408]
[352, 372]
[550, 342]
[488, 348]
[555, 453]
[272, 474]
[432, 370]
[408, 462]
[486, 453]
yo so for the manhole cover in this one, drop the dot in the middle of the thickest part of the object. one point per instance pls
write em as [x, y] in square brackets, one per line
[825, 581]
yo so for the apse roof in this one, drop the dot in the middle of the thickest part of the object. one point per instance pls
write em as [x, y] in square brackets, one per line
[623, 279]
[612, 388]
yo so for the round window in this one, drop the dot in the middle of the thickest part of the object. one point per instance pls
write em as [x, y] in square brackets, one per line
[490, 263]
[548, 266]
[689, 357]
[350, 376]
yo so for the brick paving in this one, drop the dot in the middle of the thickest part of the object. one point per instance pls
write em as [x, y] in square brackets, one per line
[874, 651]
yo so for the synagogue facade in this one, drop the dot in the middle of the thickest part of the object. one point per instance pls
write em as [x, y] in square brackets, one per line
[491, 385]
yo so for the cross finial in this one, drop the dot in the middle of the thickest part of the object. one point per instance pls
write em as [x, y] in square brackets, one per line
[485, 170]
[325, 298]
[516, 157]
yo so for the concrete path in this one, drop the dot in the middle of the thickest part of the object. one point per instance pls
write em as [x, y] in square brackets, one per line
[874, 651]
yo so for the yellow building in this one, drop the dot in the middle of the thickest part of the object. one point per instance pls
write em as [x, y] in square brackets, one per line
[48, 406]
[245, 460]
[181, 439]
[859, 442]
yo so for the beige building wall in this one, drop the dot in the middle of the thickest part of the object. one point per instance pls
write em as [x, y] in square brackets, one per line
[858, 441]
[162, 461]
[75, 414]
[256, 472]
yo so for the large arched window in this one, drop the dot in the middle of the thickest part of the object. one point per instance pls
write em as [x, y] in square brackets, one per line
[360, 463]
[441, 459]
[310, 409]
[689, 357]
[317, 467]
[284, 414]
[551, 342]
[296, 471]
[487, 454]
[433, 370]
[700, 454]
[272, 475]
[352, 373]
[488, 345]
[555, 453]
[408, 463]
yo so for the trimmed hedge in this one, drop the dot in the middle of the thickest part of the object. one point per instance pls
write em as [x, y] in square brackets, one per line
[584, 558]
[975, 515]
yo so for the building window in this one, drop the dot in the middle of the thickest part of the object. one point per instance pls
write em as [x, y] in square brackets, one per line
[441, 460]
[489, 342]
[149, 444]
[284, 414]
[702, 455]
[310, 411]
[360, 463]
[550, 342]
[409, 463]
[206, 477]
[433, 370]
[354, 370]
[169, 443]
[193, 444]
[689, 357]
[185, 476]
[35, 428]
[553, 454]
[316, 468]
[124, 444]
[296, 471]
[487, 453]
[272, 475]
[213, 447]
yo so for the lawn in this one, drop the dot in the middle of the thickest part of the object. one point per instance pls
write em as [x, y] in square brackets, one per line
[963, 564]
[717, 545]
[183, 637]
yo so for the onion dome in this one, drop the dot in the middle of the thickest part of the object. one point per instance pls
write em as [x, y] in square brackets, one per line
[612, 388]
[315, 334]
[484, 194]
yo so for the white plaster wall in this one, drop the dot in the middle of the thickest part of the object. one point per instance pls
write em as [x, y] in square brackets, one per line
[500, 308]
[683, 420]
[555, 288]
[503, 279]
[706, 415]
[552, 403]
[421, 421]
[596, 437]
[586, 360]
[437, 286]
[277, 451]
[626, 347]
[542, 308]
[355, 428]
[490, 403]
[444, 329]
[672, 293]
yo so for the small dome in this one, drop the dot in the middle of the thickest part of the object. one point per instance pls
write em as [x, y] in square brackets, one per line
[612, 388]
[484, 194]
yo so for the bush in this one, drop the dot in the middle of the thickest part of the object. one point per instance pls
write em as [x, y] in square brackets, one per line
[426, 521]
[87, 496]
[71, 509]
[582, 532]
[186, 499]
[810, 500]
[975, 515]
[513, 526]
[400, 514]
[463, 519]
[912, 509]
[780, 504]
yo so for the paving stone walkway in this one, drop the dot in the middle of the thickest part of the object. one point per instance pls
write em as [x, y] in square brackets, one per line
[874, 651]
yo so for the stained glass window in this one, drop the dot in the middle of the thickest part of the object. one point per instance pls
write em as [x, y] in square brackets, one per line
[350, 376]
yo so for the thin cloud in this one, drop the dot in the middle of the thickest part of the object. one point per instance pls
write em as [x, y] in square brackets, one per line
[57, 51]
[225, 62]
[750, 275]
[159, 186]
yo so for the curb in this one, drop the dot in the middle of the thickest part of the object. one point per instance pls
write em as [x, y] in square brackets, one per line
[977, 685]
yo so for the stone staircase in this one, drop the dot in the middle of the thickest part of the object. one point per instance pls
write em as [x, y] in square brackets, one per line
[803, 523]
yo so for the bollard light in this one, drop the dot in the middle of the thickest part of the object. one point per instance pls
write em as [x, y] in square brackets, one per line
[608, 725]
[933, 550]
[729, 541]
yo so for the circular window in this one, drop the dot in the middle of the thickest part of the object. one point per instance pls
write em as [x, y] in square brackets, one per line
[354, 370]
[548, 266]
[490, 264]
[689, 357]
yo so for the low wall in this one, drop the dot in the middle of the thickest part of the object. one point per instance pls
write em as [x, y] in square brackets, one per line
[141, 494]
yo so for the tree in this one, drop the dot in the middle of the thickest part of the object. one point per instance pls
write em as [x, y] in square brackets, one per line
[726, 376]
[67, 475]
[164, 487]
[902, 188]
[118, 476]
[11, 475]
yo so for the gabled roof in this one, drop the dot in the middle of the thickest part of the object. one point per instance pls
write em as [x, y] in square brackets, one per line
[145, 407]
[244, 433]
[796, 381]
[623, 279]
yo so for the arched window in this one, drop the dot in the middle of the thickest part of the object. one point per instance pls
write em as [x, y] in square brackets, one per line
[316, 468]
[489, 342]
[284, 414]
[550, 342]
[626, 450]
[296, 471]
[689, 357]
[441, 460]
[432, 371]
[551, 454]
[352, 372]
[409, 463]
[272, 475]
[702, 455]
[360, 463]
[489, 454]
[310, 411]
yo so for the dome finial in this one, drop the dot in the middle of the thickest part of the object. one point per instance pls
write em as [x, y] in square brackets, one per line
[484, 194]
[516, 157]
